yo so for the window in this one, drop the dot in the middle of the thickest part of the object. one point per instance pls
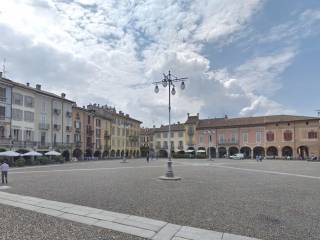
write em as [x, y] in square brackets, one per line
[172, 134]
[158, 144]
[77, 124]
[172, 145]
[16, 134]
[28, 101]
[312, 135]
[287, 135]
[2, 131]
[200, 138]
[165, 144]
[180, 134]
[2, 94]
[54, 138]
[68, 138]
[89, 119]
[258, 137]
[17, 99]
[118, 131]
[43, 138]
[2, 112]
[28, 135]
[245, 137]
[221, 138]
[180, 144]
[270, 136]
[43, 119]
[98, 123]
[113, 131]
[165, 135]
[28, 116]
[77, 138]
[17, 114]
[234, 138]
[158, 135]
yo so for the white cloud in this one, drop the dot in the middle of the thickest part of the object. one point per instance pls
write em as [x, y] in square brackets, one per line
[111, 51]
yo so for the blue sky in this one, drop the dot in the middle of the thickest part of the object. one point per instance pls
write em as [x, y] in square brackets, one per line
[242, 58]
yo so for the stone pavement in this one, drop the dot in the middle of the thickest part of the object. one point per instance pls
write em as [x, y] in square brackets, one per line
[134, 225]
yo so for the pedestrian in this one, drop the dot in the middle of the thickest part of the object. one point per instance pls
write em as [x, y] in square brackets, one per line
[257, 158]
[260, 158]
[4, 172]
[147, 157]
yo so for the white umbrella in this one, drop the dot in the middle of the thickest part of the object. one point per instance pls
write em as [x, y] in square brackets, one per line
[190, 151]
[32, 154]
[52, 153]
[10, 154]
[201, 151]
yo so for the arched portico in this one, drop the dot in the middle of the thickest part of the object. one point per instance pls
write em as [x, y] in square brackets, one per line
[233, 151]
[246, 151]
[272, 152]
[258, 151]
[287, 151]
[222, 152]
[303, 152]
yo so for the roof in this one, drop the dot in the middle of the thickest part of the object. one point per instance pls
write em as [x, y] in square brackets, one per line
[7, 81]
[250, 121]
[146, 131]
[174, 127]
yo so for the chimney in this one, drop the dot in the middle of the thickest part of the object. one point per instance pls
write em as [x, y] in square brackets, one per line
[28, 84]
[38, 87]
[154, 126]
[188, 114]
[63, 95]
[226, 116]
[198, 115]
[0, 74]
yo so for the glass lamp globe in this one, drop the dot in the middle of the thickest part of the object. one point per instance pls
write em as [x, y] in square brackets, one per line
[173, 91]
[156, 89]
[164, 83]
[183, 85]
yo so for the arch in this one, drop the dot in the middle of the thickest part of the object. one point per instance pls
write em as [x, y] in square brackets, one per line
[97, 154]
[66, 155]
[134, 153]
[258, 151]
[122, 153]
[212, 151]
[138, 153]
[303, 152]
[105, 154]
[233, 151]
[272, 152]
[287, 151]
[130, 153]
[222, 152]
[88, 153]
[163, 153]
[118, 153]
[127, 153]
[113, 153]
[246, 151]
[77, 153]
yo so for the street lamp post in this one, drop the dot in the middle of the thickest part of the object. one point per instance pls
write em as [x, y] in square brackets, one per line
[209, 132]
[169, 80]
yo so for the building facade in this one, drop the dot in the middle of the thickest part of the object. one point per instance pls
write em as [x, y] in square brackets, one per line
[34, 119]
[278, 136]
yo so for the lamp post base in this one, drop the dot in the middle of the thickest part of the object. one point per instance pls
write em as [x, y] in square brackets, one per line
[165, 178]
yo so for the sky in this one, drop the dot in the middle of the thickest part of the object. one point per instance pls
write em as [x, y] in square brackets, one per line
[241, 58]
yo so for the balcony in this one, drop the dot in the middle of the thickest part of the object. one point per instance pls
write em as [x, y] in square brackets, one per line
[60, 145]
[24, 144]
[3, 99]
[106, 135]
[56, 127]
[44, 126]
[78, 144]
[56, 111]
[43, 145]
[69, 128]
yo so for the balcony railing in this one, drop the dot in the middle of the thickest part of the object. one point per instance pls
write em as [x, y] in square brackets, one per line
[5, 141]
[44, 126]
[24, 144]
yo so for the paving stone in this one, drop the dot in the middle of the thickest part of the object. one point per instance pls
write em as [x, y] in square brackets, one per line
[198, 234]
[227, 236]
[148, 220]
[138, 224]
[50, 212]
[101, 217]
[115, 214]
[126, 229]
[167, 232]
[77, 218]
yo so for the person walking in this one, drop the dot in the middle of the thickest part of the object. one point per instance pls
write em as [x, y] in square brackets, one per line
[4, 172]
[147, 157]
